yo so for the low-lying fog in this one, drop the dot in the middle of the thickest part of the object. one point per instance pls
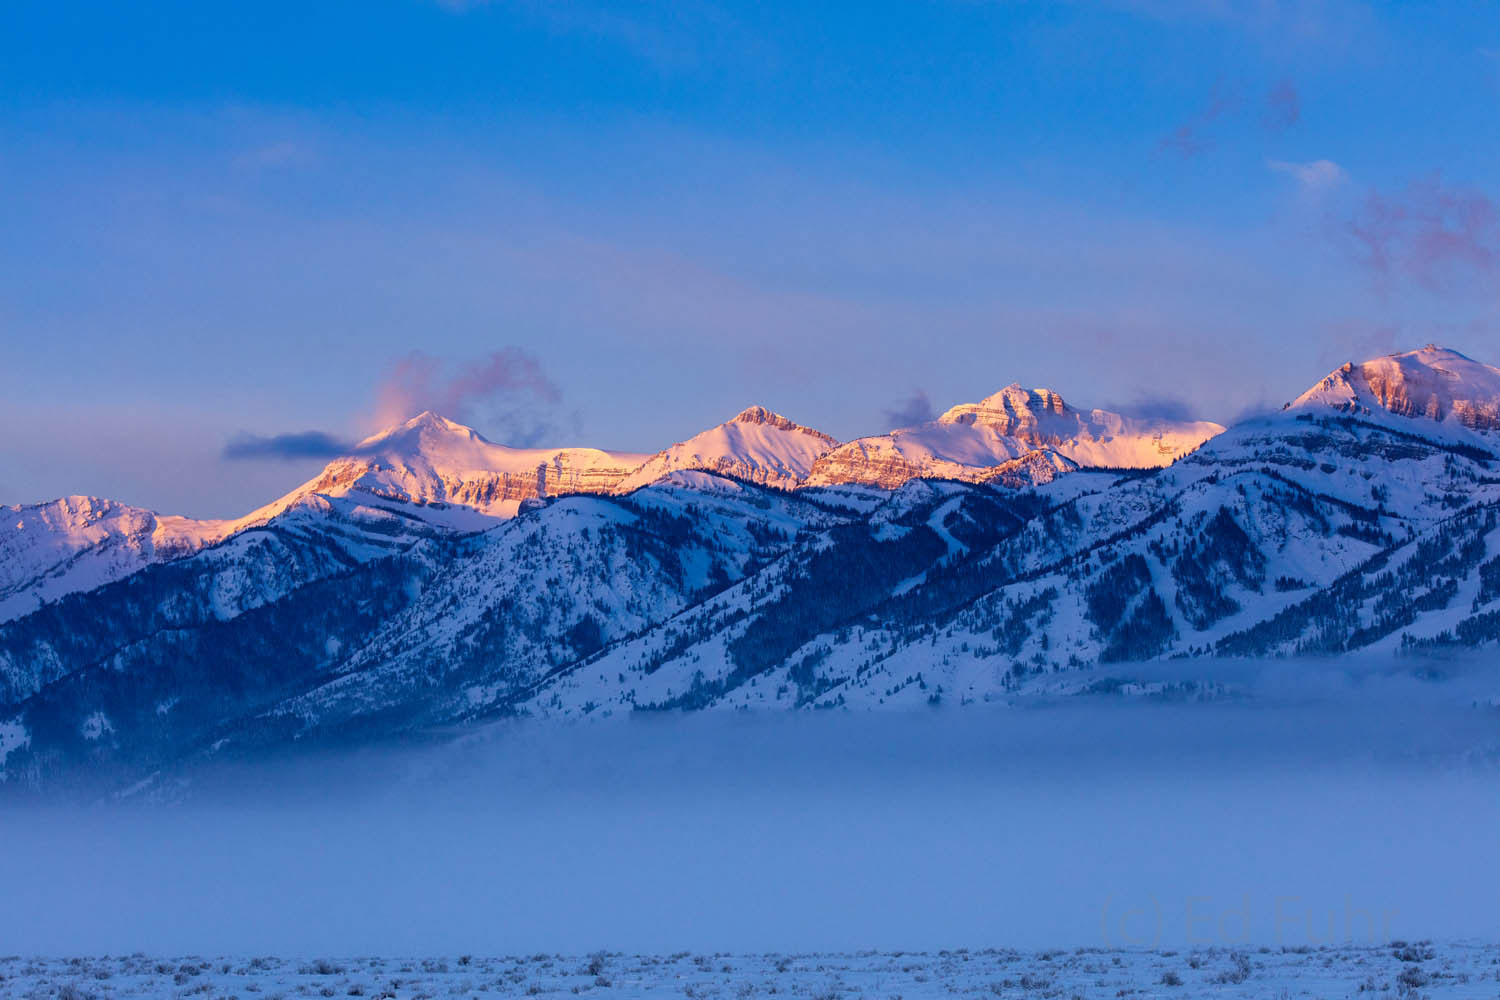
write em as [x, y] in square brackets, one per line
[1333, 802]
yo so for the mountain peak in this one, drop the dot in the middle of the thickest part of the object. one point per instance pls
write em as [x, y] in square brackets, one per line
[978, 441]
[417, 433]
[757, 444]
[760, 416]
[1010, 406]
[427, 418]
[1436, 383]
[432, 459]
[1437, 350]
[756, 415]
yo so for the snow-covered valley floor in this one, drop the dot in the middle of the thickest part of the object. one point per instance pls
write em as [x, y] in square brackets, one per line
[1398, 969]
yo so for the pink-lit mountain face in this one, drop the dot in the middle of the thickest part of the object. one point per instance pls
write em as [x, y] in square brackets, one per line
[433, 578]
[1434, 383]
[430, 459]
[448, 477]
[757, 445]
[975, 442]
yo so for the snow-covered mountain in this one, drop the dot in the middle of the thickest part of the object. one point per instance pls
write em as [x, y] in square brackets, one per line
[756, 445]
[78, 543]
[439, 472]
[430, 459]
[972, 442]
[427, 475]
[1435, 383]
[405, 590]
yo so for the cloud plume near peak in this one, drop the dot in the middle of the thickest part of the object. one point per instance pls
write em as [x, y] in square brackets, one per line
[915, 410]
[1157, 407]
[287, 447]
[506, 394]
[507, 387]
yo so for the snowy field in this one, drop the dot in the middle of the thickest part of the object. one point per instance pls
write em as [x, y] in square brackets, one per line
[1398, 969]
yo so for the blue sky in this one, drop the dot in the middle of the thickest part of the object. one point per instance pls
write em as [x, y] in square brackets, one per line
[639, 218]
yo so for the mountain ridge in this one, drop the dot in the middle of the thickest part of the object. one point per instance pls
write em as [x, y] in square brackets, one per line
[1324, 528]
[450, 476]
[971, 440]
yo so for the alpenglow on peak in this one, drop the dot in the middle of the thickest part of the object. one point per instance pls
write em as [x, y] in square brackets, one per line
[1435, 383]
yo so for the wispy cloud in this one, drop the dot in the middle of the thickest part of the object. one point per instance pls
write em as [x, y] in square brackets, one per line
[1157, 406]
[1433, 233]
[507, 394]
[1361, 342]
[506, 391]
[1192, 137]
[915, 410]
[1320, 23]
[1315, 177]
[671, 37]
[1490, 57]
[1283, 107]
[1225, 112]
[278, 155]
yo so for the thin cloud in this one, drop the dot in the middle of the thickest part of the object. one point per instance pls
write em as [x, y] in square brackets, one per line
[1357, 342]
[287, 447]
[1336, 25]
[1491, 58]
[506, 391]
[915, 410]
[1185, 141]
[1158, 407]
[1315, 177]
[1437, 235]
[281, 155]
[1201, 133]
[1192, 138]
[672, 38]
[1283, 107]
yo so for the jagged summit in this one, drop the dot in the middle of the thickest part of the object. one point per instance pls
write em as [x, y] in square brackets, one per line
[1436, 383]
[756, 444]
[755, 415]
[1011, 406]
[79, 542]
[971, 440]
[431, 458]
[759, 415]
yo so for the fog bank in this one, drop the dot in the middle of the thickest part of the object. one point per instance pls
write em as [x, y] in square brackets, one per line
[1313, 802]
